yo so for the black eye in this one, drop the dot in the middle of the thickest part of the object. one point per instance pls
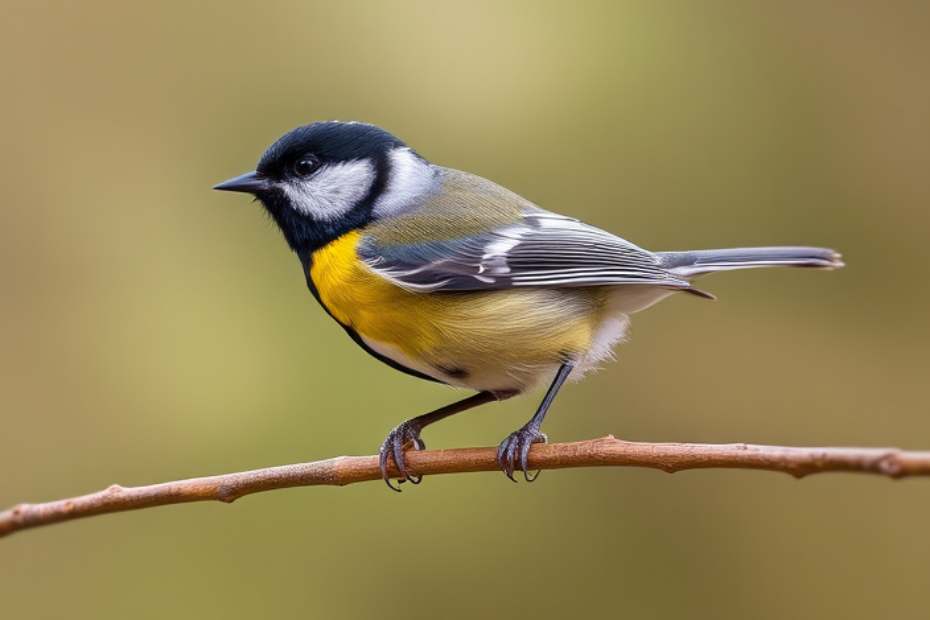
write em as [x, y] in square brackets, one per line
[306, 165]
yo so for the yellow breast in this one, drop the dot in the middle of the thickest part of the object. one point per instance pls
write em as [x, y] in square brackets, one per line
[369, 304]
[493, 337]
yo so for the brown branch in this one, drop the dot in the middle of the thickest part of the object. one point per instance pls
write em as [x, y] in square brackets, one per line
[606, 451]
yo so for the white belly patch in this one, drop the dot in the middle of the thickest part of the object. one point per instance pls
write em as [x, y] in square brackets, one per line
[395, 353]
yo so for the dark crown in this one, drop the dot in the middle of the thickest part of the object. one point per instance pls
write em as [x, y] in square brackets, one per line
[331, 141]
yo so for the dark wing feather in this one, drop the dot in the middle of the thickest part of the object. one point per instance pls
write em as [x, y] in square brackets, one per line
[539, 249]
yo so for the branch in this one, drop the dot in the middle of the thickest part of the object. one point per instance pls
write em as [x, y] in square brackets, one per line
[343, 470]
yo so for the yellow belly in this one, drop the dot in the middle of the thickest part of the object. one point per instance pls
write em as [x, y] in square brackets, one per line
[494, 340]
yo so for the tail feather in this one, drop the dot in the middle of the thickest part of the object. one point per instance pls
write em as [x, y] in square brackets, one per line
[698, 262]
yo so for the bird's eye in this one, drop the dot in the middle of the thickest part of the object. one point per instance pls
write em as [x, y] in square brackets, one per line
[306, 165]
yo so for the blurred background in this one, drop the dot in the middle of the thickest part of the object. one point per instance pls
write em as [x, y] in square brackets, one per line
[153, 329]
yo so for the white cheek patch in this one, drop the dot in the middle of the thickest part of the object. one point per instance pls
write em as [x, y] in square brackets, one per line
[333, 191]
[411, 181]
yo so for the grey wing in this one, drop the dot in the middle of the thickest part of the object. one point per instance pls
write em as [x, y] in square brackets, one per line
[541, 249]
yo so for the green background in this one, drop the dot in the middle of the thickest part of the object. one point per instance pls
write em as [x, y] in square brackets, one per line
[152, 329]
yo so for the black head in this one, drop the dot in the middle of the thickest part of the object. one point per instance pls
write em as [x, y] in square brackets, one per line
[322, 180]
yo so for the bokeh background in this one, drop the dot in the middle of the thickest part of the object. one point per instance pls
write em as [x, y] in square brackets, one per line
[152, 329]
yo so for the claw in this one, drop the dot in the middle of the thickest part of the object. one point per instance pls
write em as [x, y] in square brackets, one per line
[509, 457]
[502, 451]
[519, 442]
[383, 462]
[393, 448]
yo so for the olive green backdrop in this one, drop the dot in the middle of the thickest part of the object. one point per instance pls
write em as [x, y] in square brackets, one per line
[152, 329]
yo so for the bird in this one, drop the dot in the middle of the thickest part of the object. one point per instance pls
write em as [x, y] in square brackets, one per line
[452, 278]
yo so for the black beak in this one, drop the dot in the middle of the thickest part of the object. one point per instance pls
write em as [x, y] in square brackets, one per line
[250, 183]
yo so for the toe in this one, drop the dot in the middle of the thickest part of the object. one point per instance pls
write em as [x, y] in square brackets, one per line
[383, 462]
[397, 451]
[508, 457]
[393, 448]
[514, 451]
[524, 458]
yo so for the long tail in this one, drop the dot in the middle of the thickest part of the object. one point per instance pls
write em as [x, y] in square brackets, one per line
[698, 262]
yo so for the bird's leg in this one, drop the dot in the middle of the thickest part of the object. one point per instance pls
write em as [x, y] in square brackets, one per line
[520, 441]
[409, 433]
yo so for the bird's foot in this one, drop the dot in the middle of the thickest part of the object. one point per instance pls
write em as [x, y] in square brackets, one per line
[517, 446]
[405, 435]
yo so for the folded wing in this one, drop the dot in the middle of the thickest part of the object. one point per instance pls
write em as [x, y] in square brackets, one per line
[539, 249]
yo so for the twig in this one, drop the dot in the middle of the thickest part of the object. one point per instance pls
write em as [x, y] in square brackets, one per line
[606, 451]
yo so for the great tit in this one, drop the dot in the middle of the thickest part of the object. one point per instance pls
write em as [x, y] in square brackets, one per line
[452, 278]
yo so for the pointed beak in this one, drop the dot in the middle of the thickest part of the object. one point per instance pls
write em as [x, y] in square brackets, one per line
[249, 183]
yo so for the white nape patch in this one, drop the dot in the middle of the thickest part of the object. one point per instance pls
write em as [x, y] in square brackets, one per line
[494, 259]
[411, 180]
[333, 191]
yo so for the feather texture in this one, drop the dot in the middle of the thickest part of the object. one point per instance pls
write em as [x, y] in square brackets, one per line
[487, 340]
[482, 237]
